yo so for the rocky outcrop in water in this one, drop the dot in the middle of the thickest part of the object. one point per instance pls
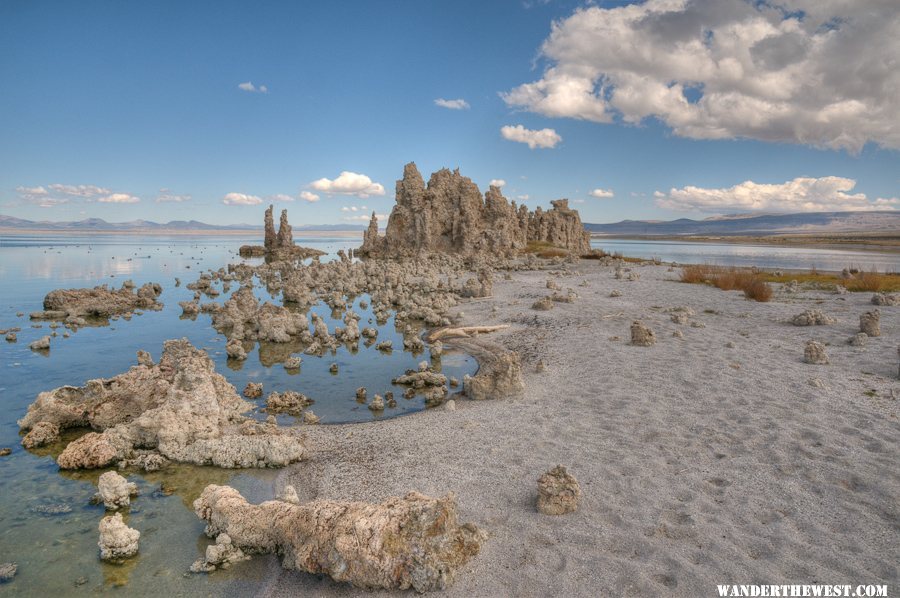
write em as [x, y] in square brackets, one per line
[101, 302]
[449, 215]
[278, 246]
[180, 408]
[117, 540]
[114, 491]
[401, 543]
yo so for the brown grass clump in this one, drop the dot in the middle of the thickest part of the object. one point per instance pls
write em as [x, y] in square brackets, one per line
[873, 282]
[758, 290]
[729, 279]
[859, 282]
[545, 250]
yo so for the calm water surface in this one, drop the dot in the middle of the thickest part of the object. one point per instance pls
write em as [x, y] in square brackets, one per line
[47, 524]
[763, 256]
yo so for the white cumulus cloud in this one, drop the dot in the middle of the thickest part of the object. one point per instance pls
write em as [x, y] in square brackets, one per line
[248, 86]
[348, 183]
[241, 199]
[801, 71]
[545, 138]
[803, 194]
[119, 198]
[602, 193]
[497, 182]
[280, 197]
[458, 104]
[308, 196]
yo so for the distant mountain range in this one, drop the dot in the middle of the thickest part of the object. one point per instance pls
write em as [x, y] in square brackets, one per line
[734, 224]
[884, 222]
[98, 224]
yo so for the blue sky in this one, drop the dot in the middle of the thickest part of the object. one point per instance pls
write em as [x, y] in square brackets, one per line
[140, 105]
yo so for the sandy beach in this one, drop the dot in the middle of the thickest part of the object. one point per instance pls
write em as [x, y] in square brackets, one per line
[719, 457]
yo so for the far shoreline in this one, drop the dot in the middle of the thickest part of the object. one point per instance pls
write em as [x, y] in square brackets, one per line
[882, 243]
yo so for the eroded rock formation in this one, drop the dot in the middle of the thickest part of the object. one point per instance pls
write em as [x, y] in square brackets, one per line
[558, 492]
[812, 317]
[114, 491]
[410, 542]
[278, 246]
[117, 540]
[101, 301]
[814, 353]
[180, 408]
[449, 215]
[870, 323]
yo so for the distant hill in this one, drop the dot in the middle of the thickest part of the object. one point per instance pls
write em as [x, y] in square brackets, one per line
[758, 225]
[90, 224]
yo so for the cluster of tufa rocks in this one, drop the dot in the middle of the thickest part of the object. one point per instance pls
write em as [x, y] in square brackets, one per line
[180, 409]
[449, 215]
[278, 246]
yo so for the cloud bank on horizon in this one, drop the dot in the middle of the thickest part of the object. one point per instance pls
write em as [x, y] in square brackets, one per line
[803, 194]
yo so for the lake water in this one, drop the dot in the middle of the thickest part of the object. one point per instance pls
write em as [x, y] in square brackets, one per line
[762, 256]
[47, 524]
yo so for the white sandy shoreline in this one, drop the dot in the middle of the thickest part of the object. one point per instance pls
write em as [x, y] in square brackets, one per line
[700, 464]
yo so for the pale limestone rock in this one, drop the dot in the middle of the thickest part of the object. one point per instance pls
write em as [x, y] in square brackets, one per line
[814, 353]
[114, 491]
[558, 492]
[42, 433]
[179, 408]
[870, 323]
[117, 540]
[812, 317]
[410, 542]
[641, 335]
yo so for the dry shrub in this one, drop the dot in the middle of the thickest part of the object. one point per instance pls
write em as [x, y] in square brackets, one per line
[696, 274]
[728, 279]
[758, 290]
[873, 282]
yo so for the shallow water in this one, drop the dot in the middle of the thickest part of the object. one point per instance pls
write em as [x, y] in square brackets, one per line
[47, 525]
[762, 256]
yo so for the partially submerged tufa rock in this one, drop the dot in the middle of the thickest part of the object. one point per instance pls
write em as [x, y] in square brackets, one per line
[558, 492]
[42, 433]
[180, 408]
[220, 555]
[114, 491]
[117, 540]
[401, 543]
[100, 302]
